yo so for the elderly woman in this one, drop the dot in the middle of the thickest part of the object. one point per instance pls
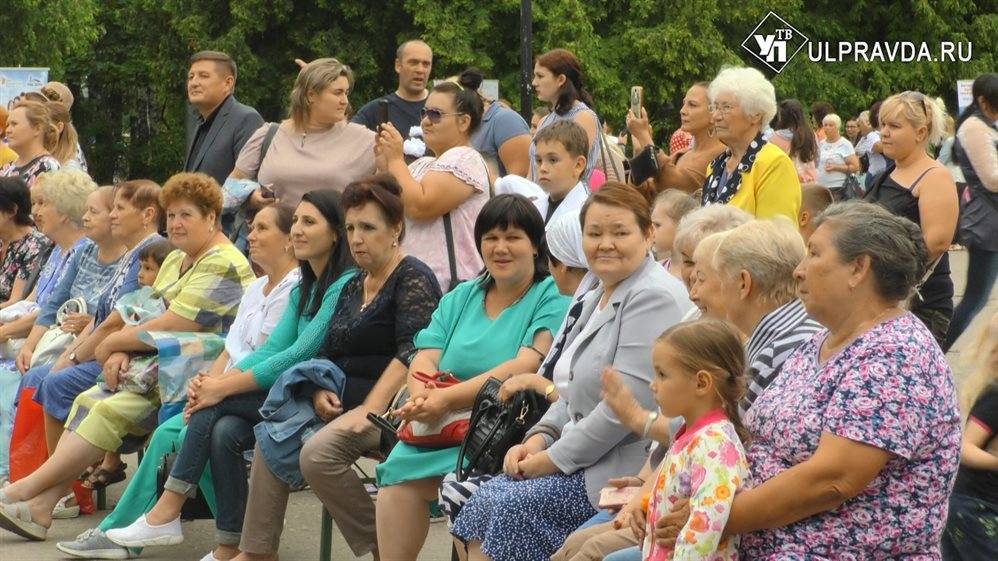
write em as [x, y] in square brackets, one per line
[552, 481]
[696, 226]
[442, 195]
[316, 146]
[87, 271]
[202, 282]
[23, 245]
[370, 339]
[751, 174]
[261, 307]
[745, 276]
[560, 82]
[497, 325]
[922, 190]
[684, 171]
[836, 156]
[856, 443]
[31, 133]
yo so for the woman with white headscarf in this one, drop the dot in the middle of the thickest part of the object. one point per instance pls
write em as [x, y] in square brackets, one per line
[570, 270]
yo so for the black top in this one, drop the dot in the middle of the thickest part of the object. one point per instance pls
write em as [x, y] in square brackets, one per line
[980, 483]
[363, 342]
[204, 125]
[401, 113]
[937, 292]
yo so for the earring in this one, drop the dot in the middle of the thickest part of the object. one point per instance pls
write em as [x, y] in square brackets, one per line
[395, 243]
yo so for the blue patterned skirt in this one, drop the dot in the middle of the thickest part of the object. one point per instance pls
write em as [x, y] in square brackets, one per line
[524, 520]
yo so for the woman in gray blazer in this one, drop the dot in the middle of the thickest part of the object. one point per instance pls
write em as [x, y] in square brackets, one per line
[552, 481]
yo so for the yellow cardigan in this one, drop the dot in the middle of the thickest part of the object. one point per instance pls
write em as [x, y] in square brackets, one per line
[770, 187]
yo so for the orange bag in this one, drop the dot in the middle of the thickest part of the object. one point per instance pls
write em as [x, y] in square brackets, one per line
[28, 449]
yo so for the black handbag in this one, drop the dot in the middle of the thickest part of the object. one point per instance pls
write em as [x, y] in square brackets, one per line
[496, 427]
[851, 188]
[644, 165]
[193, 509]
[389, 424]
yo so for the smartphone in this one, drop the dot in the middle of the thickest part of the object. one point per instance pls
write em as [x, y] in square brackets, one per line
[382, 112]
[614, 498]
[637, 100]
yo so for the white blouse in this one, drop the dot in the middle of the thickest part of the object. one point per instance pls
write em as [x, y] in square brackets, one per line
[258, 315]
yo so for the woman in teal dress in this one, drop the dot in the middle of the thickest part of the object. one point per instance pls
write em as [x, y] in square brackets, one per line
[497, 325]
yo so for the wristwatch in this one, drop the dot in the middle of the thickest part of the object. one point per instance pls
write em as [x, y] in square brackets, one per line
[548, 391]
[72, 358]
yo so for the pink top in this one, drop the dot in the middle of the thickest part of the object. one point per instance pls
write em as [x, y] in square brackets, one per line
[425, 240]
[298, 163]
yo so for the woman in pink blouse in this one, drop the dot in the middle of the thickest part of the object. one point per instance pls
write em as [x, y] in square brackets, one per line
[442, 195]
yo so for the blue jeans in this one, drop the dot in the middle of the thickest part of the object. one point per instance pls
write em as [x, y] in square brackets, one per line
[602, 517]
[222, 433]
[629, 554]
[982, 270]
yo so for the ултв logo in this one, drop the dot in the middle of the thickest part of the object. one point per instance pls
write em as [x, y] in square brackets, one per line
[775, 43]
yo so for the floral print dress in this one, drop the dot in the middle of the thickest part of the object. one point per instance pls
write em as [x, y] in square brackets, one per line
[706, 464]
[20, 259]
[891, 388]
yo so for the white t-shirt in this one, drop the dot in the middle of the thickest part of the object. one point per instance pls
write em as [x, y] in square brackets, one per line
[878, 162]
[833, 153]
[258, 315]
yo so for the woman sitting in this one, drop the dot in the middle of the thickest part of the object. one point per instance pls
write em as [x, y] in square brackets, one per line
[552, 482]
[23, 245]
[317, 145]
[497, 325]
[369, 338]
[203, 281]
[752, 174]
[856, 444]
[262, 305]
[442, 195]
[746, 276]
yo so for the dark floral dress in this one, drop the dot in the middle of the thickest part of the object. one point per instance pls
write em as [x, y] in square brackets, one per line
[20, 259]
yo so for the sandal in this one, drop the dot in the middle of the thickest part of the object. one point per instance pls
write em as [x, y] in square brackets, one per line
[102, 478]
[16, 517]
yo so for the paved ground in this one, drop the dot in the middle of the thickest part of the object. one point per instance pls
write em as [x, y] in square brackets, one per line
[302, 526]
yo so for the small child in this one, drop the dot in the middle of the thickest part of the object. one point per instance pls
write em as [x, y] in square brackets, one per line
[670, 207]
[814, 199]
[151, 259]
[560, 162]
[699, 376]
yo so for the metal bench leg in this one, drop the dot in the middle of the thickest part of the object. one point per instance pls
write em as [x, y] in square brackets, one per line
[102, 499]
[326, 539]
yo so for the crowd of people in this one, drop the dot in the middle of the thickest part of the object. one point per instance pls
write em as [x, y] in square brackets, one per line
[743, 355]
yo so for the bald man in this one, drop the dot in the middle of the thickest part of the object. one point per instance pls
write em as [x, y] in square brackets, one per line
[413, 63]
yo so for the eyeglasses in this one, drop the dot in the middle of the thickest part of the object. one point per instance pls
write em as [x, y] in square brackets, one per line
[724, 108]
[434, 115]
[919, 97]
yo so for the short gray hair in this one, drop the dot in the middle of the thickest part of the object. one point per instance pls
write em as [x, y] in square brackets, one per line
[754, 92]
[769, 250]
[67, 191]
[834, 119]
[895, 246]
[700, 223]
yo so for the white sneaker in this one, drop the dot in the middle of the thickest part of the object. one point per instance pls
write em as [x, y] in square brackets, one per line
[143, 534]
[93, 544]
[62, 512]
[210, 557]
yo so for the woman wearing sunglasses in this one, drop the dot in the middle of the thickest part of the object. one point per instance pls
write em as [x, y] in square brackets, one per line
[444, 194]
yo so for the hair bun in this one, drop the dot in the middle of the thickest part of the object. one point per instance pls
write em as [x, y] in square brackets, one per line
[471, 79]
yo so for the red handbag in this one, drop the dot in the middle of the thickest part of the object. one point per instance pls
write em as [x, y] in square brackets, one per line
[448, 431]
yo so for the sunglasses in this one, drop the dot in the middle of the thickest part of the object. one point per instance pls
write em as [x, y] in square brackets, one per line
[434, 115]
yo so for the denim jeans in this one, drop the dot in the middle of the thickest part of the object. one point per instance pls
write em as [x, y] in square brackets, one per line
[982, 270]
[629, 554]
[222, 432]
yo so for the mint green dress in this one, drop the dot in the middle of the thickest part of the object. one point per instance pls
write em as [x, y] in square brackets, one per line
[472, 344]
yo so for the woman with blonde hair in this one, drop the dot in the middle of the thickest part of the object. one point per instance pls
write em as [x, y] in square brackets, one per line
[67, 144]
[317, 147]
[922, 190]
[973, 506]
[30, 132]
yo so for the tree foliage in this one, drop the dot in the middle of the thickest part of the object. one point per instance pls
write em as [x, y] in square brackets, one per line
[127, 59]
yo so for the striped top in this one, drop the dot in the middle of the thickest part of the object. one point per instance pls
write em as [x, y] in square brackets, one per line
[592, 158]
[774, 338]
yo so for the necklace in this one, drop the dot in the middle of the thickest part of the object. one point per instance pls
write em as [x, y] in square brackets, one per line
[862, 328]
[369, 295]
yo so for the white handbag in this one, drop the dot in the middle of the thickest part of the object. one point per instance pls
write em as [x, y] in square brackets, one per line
[10, 348]
[55, 340]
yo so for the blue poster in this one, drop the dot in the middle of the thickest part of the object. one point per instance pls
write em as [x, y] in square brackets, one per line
[13, 81]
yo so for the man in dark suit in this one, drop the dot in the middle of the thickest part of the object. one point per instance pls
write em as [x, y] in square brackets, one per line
[223, 124]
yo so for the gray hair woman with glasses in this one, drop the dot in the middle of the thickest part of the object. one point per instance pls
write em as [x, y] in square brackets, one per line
[444, 194]
[751, 174]
[922, 190]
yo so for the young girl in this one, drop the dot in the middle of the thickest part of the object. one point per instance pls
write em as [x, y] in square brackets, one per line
[151, 259]
[699, 376]
[670, 206]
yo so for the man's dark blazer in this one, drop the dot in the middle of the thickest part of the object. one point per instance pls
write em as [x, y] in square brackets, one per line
[232, 127]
